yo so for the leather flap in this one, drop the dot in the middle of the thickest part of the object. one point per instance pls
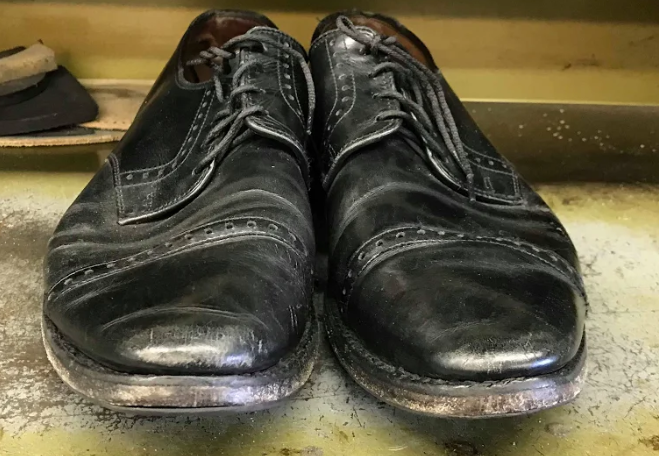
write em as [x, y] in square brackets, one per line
[154, 168]
[346, 120]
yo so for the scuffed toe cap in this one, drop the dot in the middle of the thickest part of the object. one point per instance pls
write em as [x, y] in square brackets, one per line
[468, 311]
[228, 308]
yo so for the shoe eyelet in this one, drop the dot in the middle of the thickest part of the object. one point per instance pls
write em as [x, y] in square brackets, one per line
[228, 226]
[251, 224]
[208, 231]
[361, 256]
[189, 237]
[400, 235]
[421, 231]
[380, 243]
[273, 227]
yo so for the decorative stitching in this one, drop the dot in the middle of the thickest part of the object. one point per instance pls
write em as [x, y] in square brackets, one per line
[354, 97]
[219, 230]
[197, 116]
[114, 165]
[386, 126]
[182, 196]
[281, 89]
[482, 154]
[161, 176]
[318, 41]
[377, 249]
[326, 135]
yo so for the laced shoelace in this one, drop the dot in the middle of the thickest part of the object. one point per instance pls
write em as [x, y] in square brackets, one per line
[228, 122]
[425, 85]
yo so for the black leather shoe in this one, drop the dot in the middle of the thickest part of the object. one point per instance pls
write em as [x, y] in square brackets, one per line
[453, 289]
[181, 276]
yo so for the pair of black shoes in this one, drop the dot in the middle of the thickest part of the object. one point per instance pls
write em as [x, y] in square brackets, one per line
[181, 278]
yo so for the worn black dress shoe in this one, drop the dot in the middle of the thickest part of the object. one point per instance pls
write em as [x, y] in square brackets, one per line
[180, 279]
[453, 289]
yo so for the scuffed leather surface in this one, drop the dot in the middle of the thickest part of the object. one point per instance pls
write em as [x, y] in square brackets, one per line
[432, 282]
[220, 285]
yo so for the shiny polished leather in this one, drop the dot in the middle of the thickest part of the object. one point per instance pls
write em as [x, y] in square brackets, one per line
[428, 279]
[161, 268]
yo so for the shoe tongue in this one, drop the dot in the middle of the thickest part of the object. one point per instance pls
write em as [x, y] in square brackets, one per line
[372, 34]
[274, 34]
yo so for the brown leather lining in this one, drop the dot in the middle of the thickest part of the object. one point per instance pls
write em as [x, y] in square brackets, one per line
[383, 28]
[215, 32]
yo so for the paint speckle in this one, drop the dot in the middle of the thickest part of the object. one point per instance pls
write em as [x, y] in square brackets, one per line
[652, 442]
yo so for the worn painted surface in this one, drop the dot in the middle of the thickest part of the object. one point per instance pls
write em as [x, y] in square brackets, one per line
[615, 228]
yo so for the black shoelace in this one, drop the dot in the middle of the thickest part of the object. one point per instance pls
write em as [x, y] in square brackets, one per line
[228, 122]
[425, 85]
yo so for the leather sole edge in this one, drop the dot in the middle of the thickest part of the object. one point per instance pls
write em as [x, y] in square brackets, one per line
[452, 399]
[186, 394]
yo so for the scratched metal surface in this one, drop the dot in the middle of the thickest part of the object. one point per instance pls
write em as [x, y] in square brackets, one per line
[615, 227]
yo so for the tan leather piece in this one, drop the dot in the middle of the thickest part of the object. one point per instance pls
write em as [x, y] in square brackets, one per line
[37, 59]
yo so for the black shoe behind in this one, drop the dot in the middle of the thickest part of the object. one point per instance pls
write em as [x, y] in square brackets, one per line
[181, 277]
[453, 288]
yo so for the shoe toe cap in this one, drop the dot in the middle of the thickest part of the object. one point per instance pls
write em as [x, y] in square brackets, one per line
[468, 311]
[230, 308]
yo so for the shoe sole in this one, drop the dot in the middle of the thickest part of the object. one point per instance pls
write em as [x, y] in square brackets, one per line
[451, 399]
[181, 394]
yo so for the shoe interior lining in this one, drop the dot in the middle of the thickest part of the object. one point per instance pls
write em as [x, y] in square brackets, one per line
[216, 31]
[384, 28]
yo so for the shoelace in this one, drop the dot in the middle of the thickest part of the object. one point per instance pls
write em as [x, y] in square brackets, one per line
[424, 84]
[228, 122]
